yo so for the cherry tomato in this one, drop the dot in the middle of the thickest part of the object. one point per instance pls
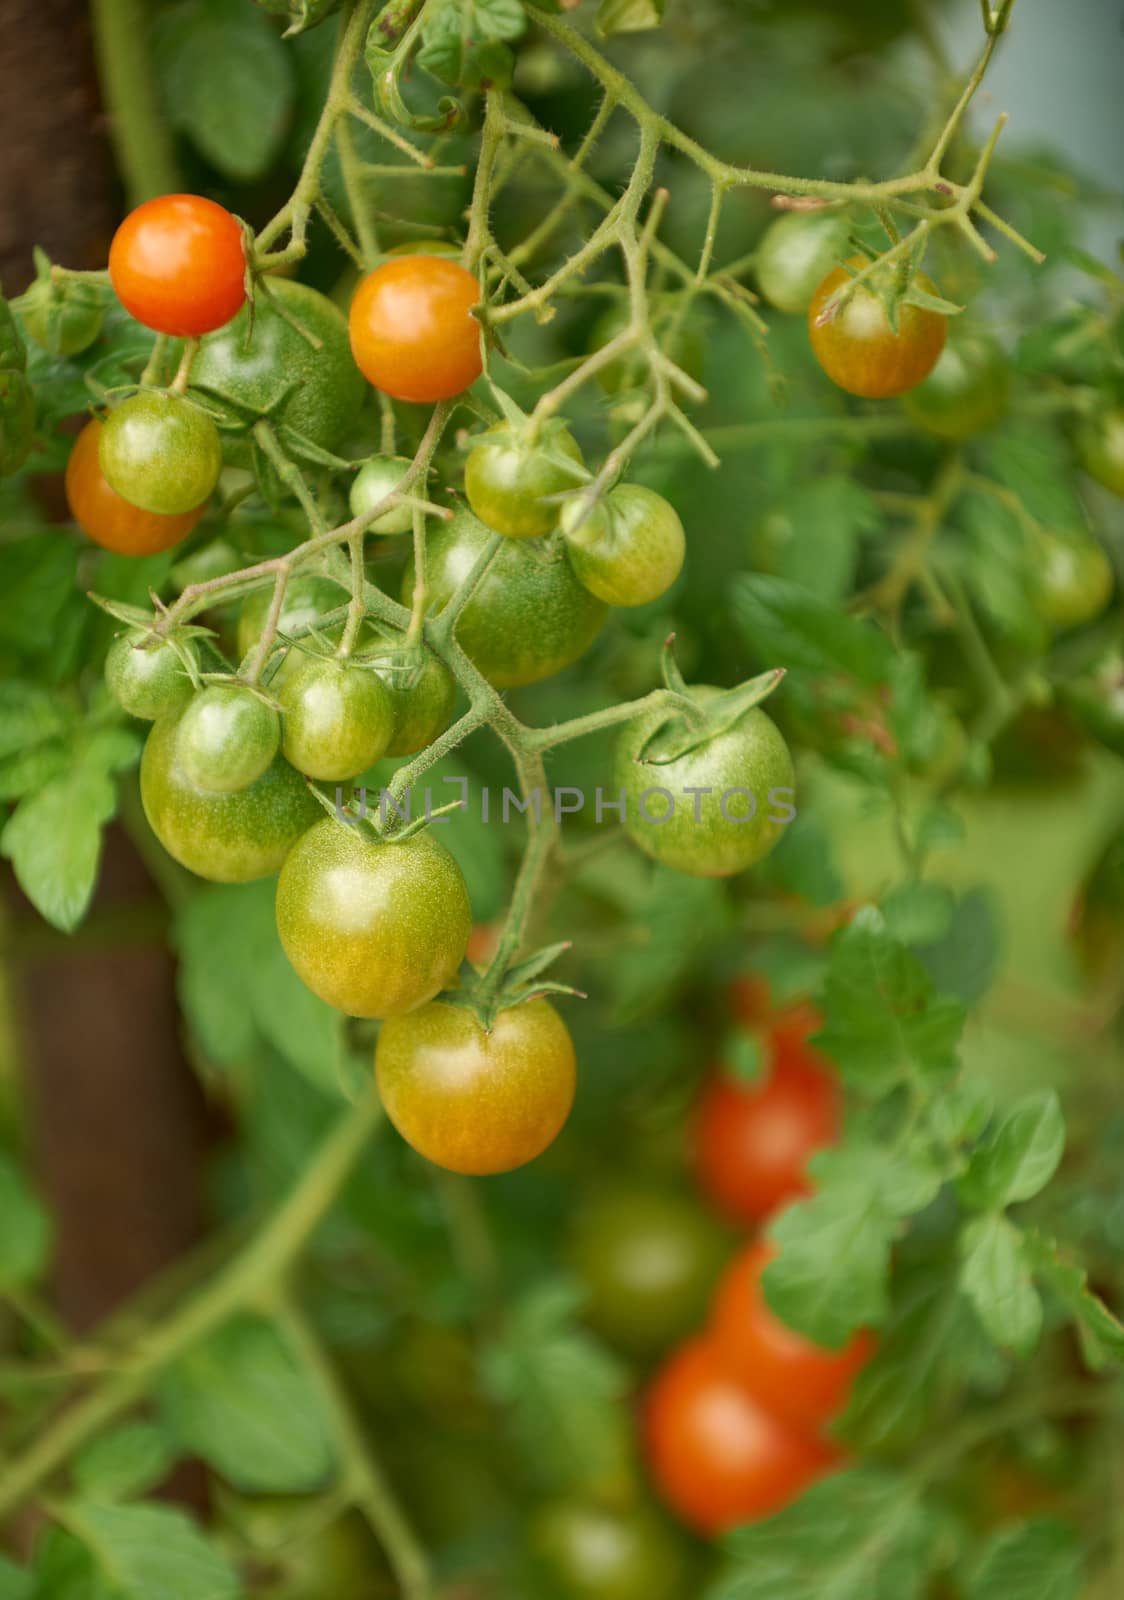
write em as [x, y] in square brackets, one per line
[507, 479]
[1100, 449]
[629, 548]
[373, 928]
[753, 1141]
[648, 1259]
[147, 678]
[177, 265]
[743, 775]
[228, 736]
[105, 516]
[1072, 579]
[373, 482]
[795, 1379]
[857, 347]
[717, 1457]
[160, 452]
[1096, 698]
[228, 838]
[412, 332]
[307, 599]
[588, 1551]
[308, 384]
[967, 390]
[422, 691]
[338, 717]
[796, 253]
[529, 617]
[64, 316]
[472, 1101]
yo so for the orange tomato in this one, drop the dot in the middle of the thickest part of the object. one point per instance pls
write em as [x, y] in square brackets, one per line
[412, 332]
[859, 350]
[177, 265]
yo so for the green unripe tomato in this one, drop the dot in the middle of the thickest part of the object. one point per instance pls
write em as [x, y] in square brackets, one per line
[1096, 698]
[337, 717]
[216, 559]
[528, 618]
[506, 478]
[1072, 579]
[745, 777]
[648, 1259]
[227, 838]
[227, 738]
[796, 253]
[422, 693]
[306, 600]
[147, 679]
[629, 549]
[160, 452]
[373, 482]
[588, 1551]
[374, 928]
[966, 392]
[1100, 449]
[63, 317]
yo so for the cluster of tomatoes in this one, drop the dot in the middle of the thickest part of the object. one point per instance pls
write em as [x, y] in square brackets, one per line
[735, 1419]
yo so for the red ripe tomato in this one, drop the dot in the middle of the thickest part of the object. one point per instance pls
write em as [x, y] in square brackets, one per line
[717, 1457]
[859, 350]
[412, 334]
[753, 1141]
[109, 519]
[797, 1380]
[177, 265]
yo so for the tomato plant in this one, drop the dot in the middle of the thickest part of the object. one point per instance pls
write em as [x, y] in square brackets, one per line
[177, 264]
[337, 717]
[161, 453]
[375, 479]
[106, 516]
[796, 254]
[857, 344]
[227, 738]
[588, 1551]
[412, 330]
[512, 483]
[627, 549]
[148, 679]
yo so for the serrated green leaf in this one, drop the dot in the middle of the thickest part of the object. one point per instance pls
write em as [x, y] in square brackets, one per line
[963, 961]
[242, 1402]
[918, 913]
[629, 16]
[1020, 1156]
[782, 621]
[37, 576]
[129, 1460]
[995, 1275]
[1102, 1334]
[66, 1570]
[1038, 1560]
[152, 1552]
[938, 828]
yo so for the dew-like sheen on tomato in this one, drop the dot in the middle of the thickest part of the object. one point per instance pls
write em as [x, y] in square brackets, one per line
[471, 1101]
[374, 928]
[529, 617]
[1072, 579]
[507, 481]
[725, 803]
[107, 517]
[314, 389]
[859, 350]
[228, 838]
[337, 717]
[160, 452]
[412, 330]
[373, 482]
[228, 737]
[146, 679]
[629, 548]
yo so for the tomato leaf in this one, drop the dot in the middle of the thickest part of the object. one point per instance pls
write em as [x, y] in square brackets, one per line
[629, 16]
[1020, 1156]
[782, 621]
[1102, 1334]
[995, 1275]
[151, 1552]
[128, 1461]
[16, 1583]
[1038, 1560]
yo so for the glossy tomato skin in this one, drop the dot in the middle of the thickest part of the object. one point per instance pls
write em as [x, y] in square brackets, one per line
[315, 390]
[412, 332]
[307, 599]
[228, 737]
[588, 1551]
[966, 392]
[698, 837]
[529, 618]
[147, 680]
[796, 253]
[160, 452]
[337, 717]
[105, 516]
[471, 1101]
[177, 265]
[506, 480]
[373, 482]
[228, 838]
[716, 1456]
[1100, 449]
[799, 1381]
[1072, 579]
[858, 349]
[421, 688]
[648, 1259]
[629, 548]
[753, 1141]
[374, 929]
